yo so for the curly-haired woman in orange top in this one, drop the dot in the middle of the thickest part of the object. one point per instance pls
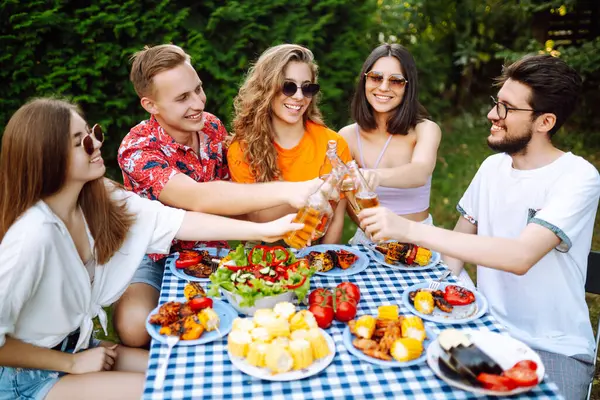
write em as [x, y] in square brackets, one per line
[279, 131]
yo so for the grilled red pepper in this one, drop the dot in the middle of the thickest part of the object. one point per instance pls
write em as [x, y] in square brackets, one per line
[199, 303]
[412, 254]
[458, 296]
[187, 259]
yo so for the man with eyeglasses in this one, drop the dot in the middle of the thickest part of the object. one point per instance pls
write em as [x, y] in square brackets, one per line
[178, 157]
[527, 221]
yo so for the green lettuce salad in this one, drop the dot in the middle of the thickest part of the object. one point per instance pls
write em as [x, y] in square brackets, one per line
[260, 272]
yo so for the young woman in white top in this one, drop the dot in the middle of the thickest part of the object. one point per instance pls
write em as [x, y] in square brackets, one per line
[70, 241]
[392, 135]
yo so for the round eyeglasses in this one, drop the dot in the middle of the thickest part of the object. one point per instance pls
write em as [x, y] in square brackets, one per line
[395, 81]
[502, 109]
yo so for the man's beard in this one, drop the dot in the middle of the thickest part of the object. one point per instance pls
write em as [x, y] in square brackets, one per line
[512, 145]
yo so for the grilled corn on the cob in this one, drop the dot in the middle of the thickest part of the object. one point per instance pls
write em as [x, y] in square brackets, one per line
[388, 312]
[209, 319]
[412, 327]
[406, 349]
[424, 302]
[365, 326]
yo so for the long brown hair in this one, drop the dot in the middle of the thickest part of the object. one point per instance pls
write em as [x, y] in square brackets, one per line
[36, 147]
[252, 122]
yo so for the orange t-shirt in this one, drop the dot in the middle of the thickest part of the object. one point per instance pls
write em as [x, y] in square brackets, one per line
[300, 163]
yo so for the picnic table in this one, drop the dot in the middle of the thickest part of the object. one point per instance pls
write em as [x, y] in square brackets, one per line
[205, 372]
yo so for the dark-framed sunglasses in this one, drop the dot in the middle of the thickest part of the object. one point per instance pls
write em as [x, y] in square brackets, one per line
[502, 109]
[290, 88]
[396, 81]
[88, 143]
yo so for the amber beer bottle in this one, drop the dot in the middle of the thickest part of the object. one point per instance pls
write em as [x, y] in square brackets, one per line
[361, 196]
[310, 215]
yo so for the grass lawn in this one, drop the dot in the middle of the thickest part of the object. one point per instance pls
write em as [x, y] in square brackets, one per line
[462, 151]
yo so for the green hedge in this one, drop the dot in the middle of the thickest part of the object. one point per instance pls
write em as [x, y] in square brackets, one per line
[81, 52]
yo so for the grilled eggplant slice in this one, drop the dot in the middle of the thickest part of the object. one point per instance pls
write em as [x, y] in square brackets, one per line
[464, 357]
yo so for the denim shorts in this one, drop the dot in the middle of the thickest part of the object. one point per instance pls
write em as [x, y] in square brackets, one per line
[150, 272]
[30, 384]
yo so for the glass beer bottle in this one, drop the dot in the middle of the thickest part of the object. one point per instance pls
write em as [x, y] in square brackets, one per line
[331, 191]
[310, 215]
[357, 190]
[332, 163]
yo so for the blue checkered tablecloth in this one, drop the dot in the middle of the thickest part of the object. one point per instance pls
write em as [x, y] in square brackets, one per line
[205, 372]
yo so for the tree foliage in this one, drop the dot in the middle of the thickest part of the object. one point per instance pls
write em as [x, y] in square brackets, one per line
[80, 50]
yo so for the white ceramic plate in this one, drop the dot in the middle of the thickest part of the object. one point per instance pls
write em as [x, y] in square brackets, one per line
[349, 337]
[226, 317]
[359, 265]
[503, 349]
[380, 258]
[459, 315]
[294, 375]
[180, 273]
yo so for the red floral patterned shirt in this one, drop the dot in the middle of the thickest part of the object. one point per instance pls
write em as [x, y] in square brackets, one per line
[149, 157]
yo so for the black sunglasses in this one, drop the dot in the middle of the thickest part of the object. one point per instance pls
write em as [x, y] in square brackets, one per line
[308, 89]
[88, 143]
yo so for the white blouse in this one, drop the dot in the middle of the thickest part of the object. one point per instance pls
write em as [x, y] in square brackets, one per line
[45, 290]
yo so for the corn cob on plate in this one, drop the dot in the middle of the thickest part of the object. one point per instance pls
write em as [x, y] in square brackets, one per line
[283, 360]
[348, 338]
[458, 315]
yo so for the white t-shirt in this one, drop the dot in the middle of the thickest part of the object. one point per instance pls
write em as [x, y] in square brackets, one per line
[45, 290]
[546, 307]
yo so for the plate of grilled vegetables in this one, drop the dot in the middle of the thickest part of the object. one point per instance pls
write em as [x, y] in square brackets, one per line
[335, 260]
[195, 265]
[404, 256]
[388, 339]
[450, 304]
[485, 362]
[197, 319]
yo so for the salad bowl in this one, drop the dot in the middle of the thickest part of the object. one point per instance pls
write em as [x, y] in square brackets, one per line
[265, 302]
[260, 278]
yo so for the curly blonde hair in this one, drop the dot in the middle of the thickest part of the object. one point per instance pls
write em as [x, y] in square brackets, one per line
[252, 123]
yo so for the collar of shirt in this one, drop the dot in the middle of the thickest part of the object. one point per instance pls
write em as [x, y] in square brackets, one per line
[154, 130]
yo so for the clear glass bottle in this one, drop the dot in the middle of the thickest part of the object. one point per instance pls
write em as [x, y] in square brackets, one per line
[331, 191]
[332, 163]
[357, 190]
[310, 215]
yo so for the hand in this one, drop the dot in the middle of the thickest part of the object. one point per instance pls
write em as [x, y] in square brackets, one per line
[275, 230]
[372, 178]
[299, 191]
[381, 224]
[94, 360]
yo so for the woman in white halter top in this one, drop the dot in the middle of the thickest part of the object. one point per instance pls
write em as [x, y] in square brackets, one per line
[392, 134]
